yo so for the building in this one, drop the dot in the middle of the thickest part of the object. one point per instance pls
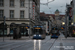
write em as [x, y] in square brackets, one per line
[21, 13]
[56, 19]
[73, 8]
[59, 18]
[72, 4]
[51, 18]
[46, 22]
[70, 13]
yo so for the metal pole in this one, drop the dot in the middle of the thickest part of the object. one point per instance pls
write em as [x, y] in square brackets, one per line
[29, 18]
[74, 12]
[66, 25]
[3, 32]
[3, 27]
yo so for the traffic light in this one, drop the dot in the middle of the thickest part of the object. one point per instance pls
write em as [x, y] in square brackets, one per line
[69, 12]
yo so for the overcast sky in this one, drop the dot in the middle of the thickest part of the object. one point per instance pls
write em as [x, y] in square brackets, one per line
[56, 4]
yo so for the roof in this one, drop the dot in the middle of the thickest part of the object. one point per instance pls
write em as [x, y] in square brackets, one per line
[50, 15]
[57, 11]
[53, 15]
[62, 15]
[47, 15]
[42, 14]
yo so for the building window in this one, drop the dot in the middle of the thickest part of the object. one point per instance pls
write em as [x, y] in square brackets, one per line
[11, 13]
[1, 2]
[11, 3]
[22, 14]
[22, 3]
[1, 13]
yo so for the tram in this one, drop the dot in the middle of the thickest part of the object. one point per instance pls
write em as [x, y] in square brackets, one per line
[54, 32]
[38, 32]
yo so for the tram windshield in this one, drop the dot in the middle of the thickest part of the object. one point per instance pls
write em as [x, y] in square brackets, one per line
[54, 30]
[37, 31]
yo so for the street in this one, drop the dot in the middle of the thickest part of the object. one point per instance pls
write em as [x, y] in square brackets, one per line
[47, 44]
[24, 24]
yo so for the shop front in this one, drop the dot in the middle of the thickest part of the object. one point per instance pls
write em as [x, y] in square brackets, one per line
[3, 29]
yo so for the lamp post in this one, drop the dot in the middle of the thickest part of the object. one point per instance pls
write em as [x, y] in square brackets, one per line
[74, 12]
[66, 24]
[29, 19]
[3, 27]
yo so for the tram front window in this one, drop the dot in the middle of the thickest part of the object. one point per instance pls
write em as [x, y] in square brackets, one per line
[37, 31]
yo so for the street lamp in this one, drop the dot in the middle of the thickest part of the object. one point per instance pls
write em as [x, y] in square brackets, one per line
[71, 23]
[3, 27]
[63, 23]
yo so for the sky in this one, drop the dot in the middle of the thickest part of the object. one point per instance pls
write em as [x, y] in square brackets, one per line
[54, 5]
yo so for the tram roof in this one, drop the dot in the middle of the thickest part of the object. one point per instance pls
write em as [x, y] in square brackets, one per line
[38, 26]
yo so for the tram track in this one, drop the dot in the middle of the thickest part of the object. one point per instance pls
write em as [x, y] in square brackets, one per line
[6, 43]
[27, 45]
[20, 46]
[52, 44]
[46, 41]
[10, 44]
[14, 45]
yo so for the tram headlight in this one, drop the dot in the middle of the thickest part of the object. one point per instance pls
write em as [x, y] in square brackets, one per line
[39, 35]
[34, 35]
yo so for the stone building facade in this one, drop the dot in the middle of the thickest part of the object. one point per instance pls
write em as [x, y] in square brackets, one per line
[18, 13]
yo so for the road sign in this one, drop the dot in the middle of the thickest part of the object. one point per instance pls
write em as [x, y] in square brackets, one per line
[33, 7]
